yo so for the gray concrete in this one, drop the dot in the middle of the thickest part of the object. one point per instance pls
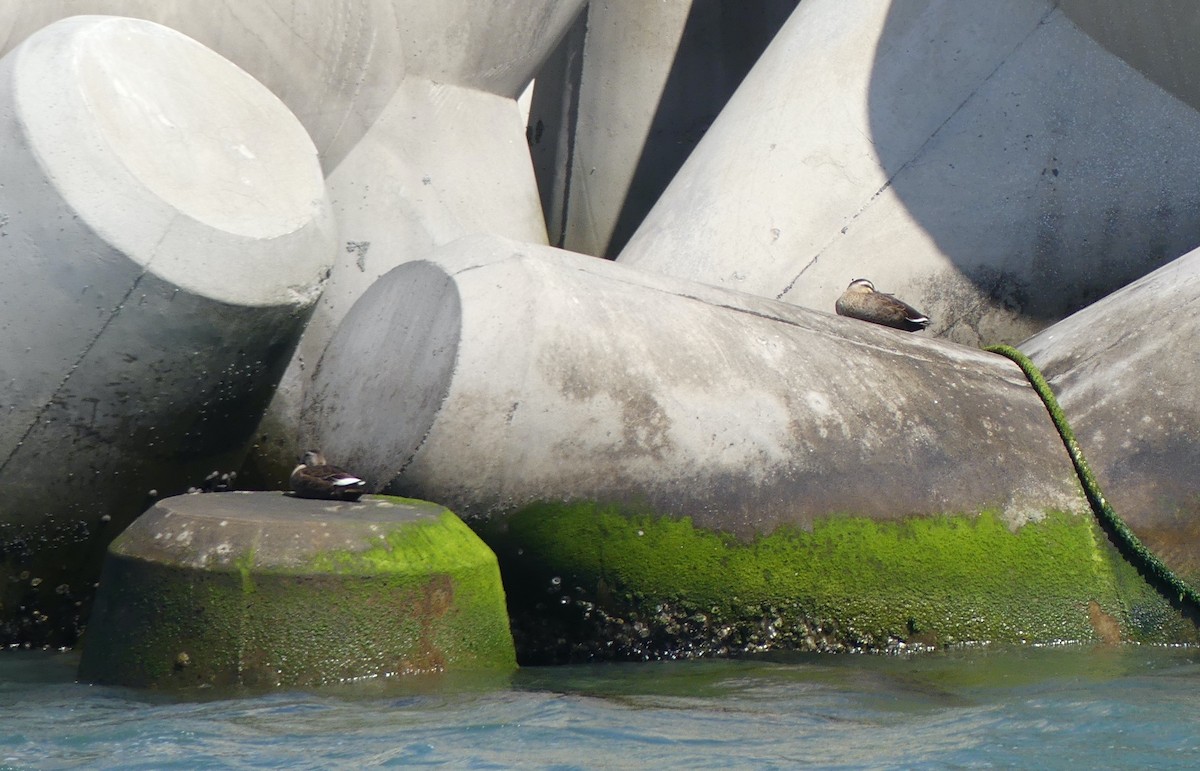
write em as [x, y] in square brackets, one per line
[626, 98]
[518, 373]
[267, 590]
[166, 230]
[1125, 372]
[441, 161]
[1158, 38]
[337, 63]
[990, 163]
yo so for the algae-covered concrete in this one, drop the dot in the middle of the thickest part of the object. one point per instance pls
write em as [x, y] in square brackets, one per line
[165, 231]
[640, 450]
[608, 582]
[1125, 371]
[513, 373]
[266, 590]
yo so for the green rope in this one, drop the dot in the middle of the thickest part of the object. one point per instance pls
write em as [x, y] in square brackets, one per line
[1108, 518]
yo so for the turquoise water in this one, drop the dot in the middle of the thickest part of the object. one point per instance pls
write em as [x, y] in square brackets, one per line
[1069, 707]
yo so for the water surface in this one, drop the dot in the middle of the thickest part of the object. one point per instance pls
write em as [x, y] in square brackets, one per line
[1068, 707]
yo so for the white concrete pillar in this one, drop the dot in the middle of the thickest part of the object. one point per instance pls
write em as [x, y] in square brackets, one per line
[990, 163]
[626, 98]
[164, 230]
[443, 160]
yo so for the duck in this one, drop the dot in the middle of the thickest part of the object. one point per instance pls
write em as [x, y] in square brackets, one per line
[861, 301]
[315, 478]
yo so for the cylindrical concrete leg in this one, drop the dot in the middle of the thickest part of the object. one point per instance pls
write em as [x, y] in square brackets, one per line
[922, 145]
[1125, 371]
[634, 442]
[447, 157]
[165, 220]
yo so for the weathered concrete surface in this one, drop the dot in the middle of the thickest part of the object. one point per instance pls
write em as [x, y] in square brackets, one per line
[1125, 371]
[644, 449]
[165, 230]
[266, 590]
[441, 161]
[337, 63]
[625, 98]
[927, 146]
[1156, 38]
[521, 373]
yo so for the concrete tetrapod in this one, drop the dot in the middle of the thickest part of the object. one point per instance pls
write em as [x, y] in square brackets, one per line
[665, 467]
[165, 232]
[266, 590]
[661, 72]
[446, 157]
[923, 146]
[1125, 371]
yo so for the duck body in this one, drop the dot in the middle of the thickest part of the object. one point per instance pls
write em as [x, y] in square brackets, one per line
[314, 478]
[861, 301]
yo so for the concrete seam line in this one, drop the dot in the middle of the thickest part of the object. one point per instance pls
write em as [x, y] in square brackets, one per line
[1135, 551]
[116, 311]
[887, 183]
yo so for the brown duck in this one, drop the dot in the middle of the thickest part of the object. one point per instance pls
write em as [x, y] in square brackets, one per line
[314, 478]
[861, 301]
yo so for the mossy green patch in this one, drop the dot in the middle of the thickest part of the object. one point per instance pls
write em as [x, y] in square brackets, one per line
[849, 582]
[420, 595]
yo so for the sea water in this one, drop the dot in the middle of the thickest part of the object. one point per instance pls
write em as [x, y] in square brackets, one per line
[1063, 707]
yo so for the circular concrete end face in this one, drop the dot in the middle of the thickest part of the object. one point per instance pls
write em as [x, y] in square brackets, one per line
[165, 232]
[173, 155]
[267, 590]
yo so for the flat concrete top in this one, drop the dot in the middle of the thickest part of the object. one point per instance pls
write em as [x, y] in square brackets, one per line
[277, 530]
[267, 507]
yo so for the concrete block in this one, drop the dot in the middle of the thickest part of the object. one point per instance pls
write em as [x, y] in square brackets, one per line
[334, 63]
[623, 101]
[337, 63]
[166, 223]
[442, 161]
[925, 146]
[264, 590]
[1124, 372]
[581, 414]
[574, 377]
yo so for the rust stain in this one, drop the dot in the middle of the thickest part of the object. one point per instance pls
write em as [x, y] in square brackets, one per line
[1107, 627]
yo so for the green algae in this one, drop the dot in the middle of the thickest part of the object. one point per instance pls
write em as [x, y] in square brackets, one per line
[1177, 589]
[850, 582]
[422, 596]
[245, 568]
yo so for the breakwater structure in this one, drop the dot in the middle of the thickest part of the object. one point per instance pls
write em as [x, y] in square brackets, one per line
[229, 237]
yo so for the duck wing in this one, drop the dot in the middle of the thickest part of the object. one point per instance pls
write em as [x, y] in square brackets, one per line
[912, 316]
[326, 481]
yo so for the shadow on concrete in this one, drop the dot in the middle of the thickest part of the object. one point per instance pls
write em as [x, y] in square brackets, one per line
[721, 41]
[1055, 174]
